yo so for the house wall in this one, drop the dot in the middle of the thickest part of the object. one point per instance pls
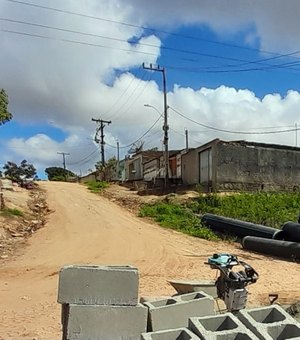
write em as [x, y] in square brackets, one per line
[151, 169]
[90, 177]
[247, 167]
[190, 167]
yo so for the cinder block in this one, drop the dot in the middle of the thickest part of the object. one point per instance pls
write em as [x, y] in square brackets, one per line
[219, 327]
[174, 312]
[98, 285]
[105, 322]
[270, 323]
[171, 334]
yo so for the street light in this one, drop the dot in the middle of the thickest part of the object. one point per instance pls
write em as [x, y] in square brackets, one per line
[166, 152]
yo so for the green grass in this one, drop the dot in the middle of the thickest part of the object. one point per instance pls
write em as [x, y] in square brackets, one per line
[270, 209]
[176, 217]
[96, 186]
[8, 212]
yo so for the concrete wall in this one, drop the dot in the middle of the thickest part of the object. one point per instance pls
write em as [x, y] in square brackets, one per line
[255, 167]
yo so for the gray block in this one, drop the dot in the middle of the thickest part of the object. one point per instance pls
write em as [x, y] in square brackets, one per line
[104, 322]
[174, 312]
[171, 334]
[219, 327]
[98, 285]
[271, 322]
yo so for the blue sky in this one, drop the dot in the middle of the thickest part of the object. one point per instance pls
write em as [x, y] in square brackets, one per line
[231, 65]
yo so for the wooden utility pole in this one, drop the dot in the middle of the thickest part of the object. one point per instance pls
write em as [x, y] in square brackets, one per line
[186, 139]
[100, 128]
[165, 126]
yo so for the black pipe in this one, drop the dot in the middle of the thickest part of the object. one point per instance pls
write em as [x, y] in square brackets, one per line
[237, 227]
[291, 231]
[290, 250]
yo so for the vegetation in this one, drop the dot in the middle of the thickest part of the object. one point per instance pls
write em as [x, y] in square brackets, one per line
[7, 212]
[109, 171]
[96, 186]
[19, 173]
[271, 209]
[177, 217]
[5, 116]
[58, 174]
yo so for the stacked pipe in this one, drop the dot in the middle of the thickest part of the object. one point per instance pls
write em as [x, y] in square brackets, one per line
[283, 243]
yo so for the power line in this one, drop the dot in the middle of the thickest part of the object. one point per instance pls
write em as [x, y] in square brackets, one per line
[185, 51]
[142, 27]
[74, 42]
[230, 131]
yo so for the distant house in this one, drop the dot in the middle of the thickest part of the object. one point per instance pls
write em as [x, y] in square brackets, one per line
[134, 165]
[93, 176]
[241, 165]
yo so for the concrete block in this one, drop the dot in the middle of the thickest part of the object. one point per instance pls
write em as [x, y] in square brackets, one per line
[174, 312]
[95, 322]
[271, 322]
[219, 327]
[98, 285]
[171, 334]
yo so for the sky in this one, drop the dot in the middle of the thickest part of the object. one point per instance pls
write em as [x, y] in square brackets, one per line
[232, 72]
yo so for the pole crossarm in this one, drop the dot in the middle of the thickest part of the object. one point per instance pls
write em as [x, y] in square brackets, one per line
[102, 123]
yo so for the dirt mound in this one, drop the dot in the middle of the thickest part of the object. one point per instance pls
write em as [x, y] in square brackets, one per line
[24, 213]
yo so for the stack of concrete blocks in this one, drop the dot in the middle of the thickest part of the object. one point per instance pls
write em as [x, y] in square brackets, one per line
[171, 334]
[270, 323]
[220, 327]
[175, 312]
[101, 302]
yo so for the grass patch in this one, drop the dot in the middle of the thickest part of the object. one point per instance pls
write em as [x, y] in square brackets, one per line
[177, 217]
[271, 209]
[96, 186]
[8, 212]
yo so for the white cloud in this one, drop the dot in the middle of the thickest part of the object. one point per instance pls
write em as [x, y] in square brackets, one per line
[68, 84]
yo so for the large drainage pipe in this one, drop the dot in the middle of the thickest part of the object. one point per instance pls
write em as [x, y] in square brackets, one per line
[290, 250]
[237, 227]
[291, 231]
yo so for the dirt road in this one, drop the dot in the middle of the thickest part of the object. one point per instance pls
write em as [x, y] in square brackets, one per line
[86, 228]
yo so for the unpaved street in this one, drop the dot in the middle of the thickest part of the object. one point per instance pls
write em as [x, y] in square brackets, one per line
[87, 228]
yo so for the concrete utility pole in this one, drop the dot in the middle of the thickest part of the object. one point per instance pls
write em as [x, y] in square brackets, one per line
[186, 139]
[102, 143]
[165, 126]
[64, 154]
[118, 159]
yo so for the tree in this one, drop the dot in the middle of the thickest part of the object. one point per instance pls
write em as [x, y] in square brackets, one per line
[58, 174]
[5, 116]
[109, 170]
[19, 173]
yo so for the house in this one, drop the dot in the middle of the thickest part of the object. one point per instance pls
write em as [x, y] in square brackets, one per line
[241, 165]
[134, 165]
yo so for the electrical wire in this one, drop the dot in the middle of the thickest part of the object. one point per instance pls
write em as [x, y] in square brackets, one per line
[141, 27]
[75, 42]
[185, 51]
[230, 131]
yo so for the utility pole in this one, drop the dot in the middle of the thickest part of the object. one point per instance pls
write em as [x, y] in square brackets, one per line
[64, 154]
[296, 130]
[118, 159]
[102, 143]
[165, 126]
[186, 139]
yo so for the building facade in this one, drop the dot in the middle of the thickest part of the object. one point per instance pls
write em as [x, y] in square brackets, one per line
[241, 165]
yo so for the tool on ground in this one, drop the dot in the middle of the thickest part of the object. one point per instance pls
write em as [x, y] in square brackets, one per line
[231, 285]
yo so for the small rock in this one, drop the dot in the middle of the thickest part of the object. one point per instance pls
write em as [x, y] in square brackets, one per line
[4, 256]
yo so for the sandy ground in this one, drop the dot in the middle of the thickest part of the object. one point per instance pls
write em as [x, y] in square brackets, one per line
[87, 228]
